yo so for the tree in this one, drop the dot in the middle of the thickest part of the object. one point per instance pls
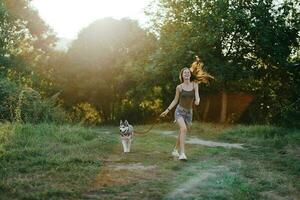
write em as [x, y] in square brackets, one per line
[245, 44]
[25, 43]
[105, 63]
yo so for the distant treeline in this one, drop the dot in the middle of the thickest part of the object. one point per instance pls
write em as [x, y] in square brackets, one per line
[116, 69]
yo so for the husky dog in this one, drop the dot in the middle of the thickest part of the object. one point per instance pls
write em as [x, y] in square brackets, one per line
[126, 133]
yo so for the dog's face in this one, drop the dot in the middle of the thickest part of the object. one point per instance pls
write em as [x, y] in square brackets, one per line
[124, 127]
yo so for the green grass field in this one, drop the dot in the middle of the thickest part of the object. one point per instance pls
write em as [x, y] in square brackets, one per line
[72, 162]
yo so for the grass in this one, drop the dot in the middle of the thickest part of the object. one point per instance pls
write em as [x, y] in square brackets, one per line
[47, 161]
[72, 162]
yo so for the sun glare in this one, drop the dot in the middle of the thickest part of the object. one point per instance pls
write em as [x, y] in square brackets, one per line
[68, 17]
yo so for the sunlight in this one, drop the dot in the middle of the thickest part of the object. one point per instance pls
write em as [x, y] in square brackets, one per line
[67, 17]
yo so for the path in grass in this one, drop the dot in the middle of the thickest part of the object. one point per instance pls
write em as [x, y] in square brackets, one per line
[245, 167]
[122, 169]
[197, 140]
[141, 164]
[119, 170]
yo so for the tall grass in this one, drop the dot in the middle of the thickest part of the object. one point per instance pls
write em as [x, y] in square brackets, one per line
[48, 161]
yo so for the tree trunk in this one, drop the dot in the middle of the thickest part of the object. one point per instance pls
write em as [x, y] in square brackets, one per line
[113, 111]
[223, 107]
[206, 109]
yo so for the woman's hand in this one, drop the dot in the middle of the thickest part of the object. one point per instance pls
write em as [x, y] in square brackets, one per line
[164, 113]
[197, 102]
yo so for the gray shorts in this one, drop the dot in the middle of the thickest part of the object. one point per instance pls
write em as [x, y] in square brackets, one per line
[186, 114]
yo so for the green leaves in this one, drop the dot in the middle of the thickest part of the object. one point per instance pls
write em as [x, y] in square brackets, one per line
[242, 43]
[107, 63]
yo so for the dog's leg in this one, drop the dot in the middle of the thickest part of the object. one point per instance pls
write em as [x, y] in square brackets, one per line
[129, 144]
[124, 145]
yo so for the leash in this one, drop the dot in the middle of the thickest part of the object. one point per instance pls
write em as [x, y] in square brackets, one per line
[157, 120]
[149, 129]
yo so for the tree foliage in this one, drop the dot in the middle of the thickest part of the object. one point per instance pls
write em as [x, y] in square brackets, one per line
[246, 45]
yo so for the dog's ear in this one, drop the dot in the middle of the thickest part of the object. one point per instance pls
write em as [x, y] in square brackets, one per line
[126, 122]
[121, 122]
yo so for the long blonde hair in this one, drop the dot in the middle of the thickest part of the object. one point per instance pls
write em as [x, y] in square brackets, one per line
[197, 72]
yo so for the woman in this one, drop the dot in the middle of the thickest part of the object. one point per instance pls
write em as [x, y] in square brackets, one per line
[187, 93]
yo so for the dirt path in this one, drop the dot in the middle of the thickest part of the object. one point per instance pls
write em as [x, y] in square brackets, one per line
[120, 169]
[194, 140]
[199, 141]
[203, 180]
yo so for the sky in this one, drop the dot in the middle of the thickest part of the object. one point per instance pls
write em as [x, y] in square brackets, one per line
[68, 17]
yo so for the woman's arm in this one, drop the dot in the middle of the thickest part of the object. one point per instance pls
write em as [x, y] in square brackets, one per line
[173, 103]
[197, 100]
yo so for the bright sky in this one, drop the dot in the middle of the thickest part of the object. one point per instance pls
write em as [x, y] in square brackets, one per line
[68, 17]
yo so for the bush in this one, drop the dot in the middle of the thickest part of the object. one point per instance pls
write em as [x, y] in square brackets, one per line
[85, 113]
[290, 115]
[31, 108]
[23, 104]
[8, 99]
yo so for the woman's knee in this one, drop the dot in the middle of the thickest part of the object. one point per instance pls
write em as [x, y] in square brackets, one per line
[183, 130]
[182, 125]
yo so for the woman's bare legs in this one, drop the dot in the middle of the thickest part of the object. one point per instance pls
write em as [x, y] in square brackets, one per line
[177, 145]
[181, 136]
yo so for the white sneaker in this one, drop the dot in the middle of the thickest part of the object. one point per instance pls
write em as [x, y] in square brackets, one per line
[182, 156]
[175, 153]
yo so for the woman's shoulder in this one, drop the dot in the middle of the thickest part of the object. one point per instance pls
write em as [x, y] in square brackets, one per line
[179, 87]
